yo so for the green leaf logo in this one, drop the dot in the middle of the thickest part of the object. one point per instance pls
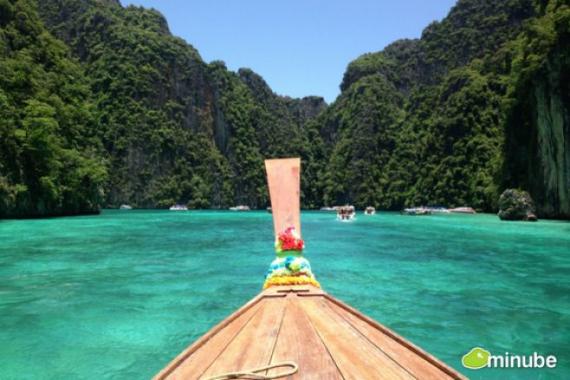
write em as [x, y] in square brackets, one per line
[476, 358]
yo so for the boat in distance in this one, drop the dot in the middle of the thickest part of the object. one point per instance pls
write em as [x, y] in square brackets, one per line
[414, 211]
[178, 208]
[240, 208]
[463, 210]
[346, 213]
[438, 210]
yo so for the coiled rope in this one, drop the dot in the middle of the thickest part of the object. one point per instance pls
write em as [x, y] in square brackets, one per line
[253, 373]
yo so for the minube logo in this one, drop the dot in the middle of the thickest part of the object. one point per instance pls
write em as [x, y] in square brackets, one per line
[476, 358]
[479, 358]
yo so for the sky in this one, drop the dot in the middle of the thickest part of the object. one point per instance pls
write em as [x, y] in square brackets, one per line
[300, 47]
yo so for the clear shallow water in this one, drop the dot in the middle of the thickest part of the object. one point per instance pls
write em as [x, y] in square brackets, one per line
[117, 296]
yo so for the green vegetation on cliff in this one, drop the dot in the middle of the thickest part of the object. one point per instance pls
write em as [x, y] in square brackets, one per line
[481, 103]
[175, 129]
[50, 160]
[100, 105]
[537, 154]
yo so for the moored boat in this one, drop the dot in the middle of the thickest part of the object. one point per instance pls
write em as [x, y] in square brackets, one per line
[125, 207]
[240, 208]
[178, 207]
[293, 328]
[463, 210]
[369, 210]
[415, 211]
[438, 210]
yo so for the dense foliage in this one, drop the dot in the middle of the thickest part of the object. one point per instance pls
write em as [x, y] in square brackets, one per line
[50, 160]
[101, 105]
[537, 149]
[175, 128]
[453, 118]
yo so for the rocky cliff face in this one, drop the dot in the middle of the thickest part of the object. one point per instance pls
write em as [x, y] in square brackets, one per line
[549, 174]
[175, 128]
[432, 108]
[537, 150]
[483, 106]
[131, 114]
[538, 155]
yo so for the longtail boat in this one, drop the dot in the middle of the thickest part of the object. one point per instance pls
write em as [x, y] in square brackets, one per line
[295, 330]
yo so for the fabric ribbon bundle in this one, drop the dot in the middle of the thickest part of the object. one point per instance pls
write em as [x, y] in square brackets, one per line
[289, 267]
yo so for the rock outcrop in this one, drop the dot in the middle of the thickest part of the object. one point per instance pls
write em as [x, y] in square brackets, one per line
[516, 205]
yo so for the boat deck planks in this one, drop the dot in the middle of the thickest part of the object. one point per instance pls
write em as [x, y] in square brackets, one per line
[344, 341]
[195, 360]
[413, 363]
[301, 344]
[254, 346]
[326, 338]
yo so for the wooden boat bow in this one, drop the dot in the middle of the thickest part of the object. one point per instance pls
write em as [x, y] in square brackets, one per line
[325, 337]
[302, 324]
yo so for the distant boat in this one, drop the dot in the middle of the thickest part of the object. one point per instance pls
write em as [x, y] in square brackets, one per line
[369, 210]
[327, 209]
[438, 210]
[416, 211]
[345, 213]
[463, 210]
[125, 207]
[240, 208]
[269, 210]
[178, 207]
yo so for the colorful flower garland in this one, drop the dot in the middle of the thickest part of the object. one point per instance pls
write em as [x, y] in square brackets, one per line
[289, 268]
[289, 240]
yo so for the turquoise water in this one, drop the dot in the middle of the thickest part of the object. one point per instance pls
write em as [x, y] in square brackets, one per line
[116, 296]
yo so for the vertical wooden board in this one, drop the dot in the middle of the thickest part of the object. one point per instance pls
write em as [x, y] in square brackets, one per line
[203, 357]
[354, 355]
[253, 346]
[298, 342]
[415, 364]
[284, 182]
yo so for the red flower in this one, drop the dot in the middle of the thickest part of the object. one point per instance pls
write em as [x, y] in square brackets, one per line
[289, 241]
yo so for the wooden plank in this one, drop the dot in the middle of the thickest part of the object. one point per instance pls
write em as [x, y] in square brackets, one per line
[253, 346]
[201, 359]
[404, 343]
[355, 356]
[415, 364]
[187, 353]
[298, 342]
[300, 290]
[284, 182]
[308, 326]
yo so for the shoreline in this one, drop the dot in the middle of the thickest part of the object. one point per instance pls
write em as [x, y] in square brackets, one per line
[262, 210]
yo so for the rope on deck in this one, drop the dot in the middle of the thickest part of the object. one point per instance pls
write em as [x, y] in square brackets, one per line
[253, 373]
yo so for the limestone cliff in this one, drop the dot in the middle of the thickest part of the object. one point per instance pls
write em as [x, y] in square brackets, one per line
[538, 128]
